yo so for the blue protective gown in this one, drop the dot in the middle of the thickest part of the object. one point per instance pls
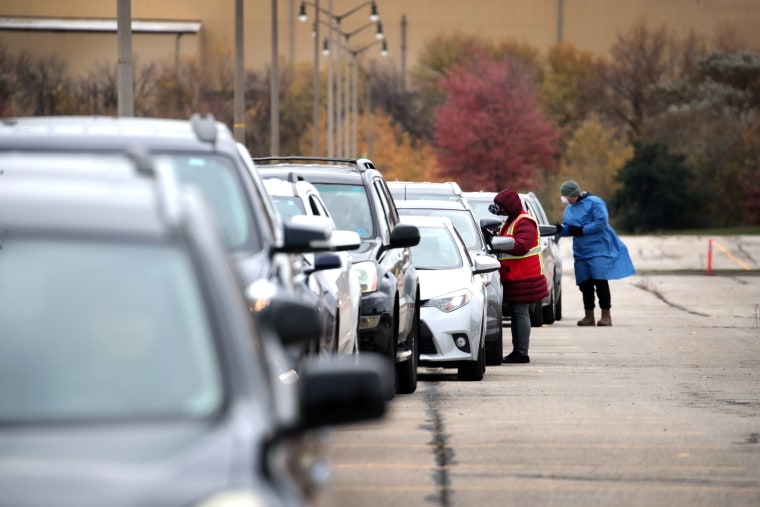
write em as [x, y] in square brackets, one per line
[599, 253]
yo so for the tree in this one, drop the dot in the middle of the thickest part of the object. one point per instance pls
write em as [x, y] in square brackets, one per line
[570, 86]
[656, 193]
[490, 134]
[642, 58]
[394, 152]
[594, 157]
[709, 116]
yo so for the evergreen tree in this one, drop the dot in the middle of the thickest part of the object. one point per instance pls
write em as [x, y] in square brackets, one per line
[656, 192]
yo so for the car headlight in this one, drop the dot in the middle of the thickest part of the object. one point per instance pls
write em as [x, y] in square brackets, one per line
[234, 499]
[367, 273]
[450, 302]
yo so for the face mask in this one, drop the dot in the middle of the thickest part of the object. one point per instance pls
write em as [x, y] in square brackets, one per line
[564, 200]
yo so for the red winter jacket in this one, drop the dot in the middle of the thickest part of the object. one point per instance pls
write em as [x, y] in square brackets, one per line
[527, 289]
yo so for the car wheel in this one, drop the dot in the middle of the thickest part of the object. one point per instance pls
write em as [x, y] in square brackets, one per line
[474, 370]
[495, 349]
[548, 311]
[406, 372]
[536, 315]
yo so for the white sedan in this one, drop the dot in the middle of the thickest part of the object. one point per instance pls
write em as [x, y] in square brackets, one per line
[452, 298]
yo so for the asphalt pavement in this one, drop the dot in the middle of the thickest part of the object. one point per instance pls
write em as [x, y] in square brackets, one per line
[661, 409]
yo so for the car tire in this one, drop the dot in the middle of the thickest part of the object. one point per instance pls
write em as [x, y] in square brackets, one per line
[474, 370]
[495, 349]
[406, 372]
[548, 315]
[536, 315]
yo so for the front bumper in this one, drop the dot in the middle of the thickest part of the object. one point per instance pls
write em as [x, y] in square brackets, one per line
[438, 332]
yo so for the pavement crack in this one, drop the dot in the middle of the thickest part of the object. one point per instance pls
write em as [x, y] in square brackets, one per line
[648, 288]
[442, 454]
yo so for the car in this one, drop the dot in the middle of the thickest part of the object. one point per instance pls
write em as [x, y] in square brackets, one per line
[133, 372]
[465, 223]
[204, 154]
[454, 300]
[417, 190]
[358, 198]
[340, 286]
[550, 309]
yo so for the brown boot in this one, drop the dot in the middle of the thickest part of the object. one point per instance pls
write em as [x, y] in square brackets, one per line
[588, 320]
[606, 319]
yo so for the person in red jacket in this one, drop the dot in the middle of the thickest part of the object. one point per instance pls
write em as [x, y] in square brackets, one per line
[522, 271]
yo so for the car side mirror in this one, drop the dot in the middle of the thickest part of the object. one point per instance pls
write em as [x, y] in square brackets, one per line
[502, 243]
[485, 264]
[324, 261]
[343, 389]
[294, 322]
[404, 236]
[547, 230]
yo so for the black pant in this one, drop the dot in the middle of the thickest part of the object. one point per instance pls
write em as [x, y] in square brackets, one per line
[602, 292]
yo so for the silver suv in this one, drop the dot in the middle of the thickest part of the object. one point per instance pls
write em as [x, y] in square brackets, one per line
[204, 154]
[132, 371]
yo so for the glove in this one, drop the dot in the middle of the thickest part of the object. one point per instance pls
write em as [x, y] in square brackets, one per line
[559, 227]
[494, 208]
[576, 230]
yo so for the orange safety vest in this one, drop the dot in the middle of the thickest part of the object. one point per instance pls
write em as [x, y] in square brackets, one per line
[521, 267]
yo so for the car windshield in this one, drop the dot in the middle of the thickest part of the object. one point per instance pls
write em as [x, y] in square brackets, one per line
[480, 209]
[349, 207]
[103, 330]
[288, 207]
[220, 184]
[436, 250]
[463, 222]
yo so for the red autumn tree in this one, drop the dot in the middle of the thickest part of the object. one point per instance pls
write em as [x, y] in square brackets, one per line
[490, 134]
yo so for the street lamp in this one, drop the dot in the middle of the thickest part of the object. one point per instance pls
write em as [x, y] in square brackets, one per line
[373, 15]
[353, 90]
[333, 112]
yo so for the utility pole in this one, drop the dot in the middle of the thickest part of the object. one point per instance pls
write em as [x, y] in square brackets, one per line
[274, 89]
[239, 98]
[560, 20]
[315, 103]
[403, 52]
[126, 93]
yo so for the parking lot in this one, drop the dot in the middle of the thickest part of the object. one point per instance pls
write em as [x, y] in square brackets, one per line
[663, 408]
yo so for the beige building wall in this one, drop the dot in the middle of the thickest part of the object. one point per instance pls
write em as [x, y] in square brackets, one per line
[590, 24]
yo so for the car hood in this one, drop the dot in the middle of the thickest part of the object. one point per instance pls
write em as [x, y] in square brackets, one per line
[367, 251]
[436, 282]
[139, 465]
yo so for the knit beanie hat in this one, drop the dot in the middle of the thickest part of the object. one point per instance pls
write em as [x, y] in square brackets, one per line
[509, 200]
[570, 189]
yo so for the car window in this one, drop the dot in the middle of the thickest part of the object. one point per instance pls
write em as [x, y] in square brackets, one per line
[436, 250]
[480, 209]
[103, 330]
[386, 199]
[220, 183]
[288, 207]
[349, 207]
[463, 222]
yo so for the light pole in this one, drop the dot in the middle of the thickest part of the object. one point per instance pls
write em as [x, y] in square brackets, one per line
[353, 94]
[334, 85]
[344, 97]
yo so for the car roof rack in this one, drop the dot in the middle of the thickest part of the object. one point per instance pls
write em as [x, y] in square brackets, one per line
[361, 164]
